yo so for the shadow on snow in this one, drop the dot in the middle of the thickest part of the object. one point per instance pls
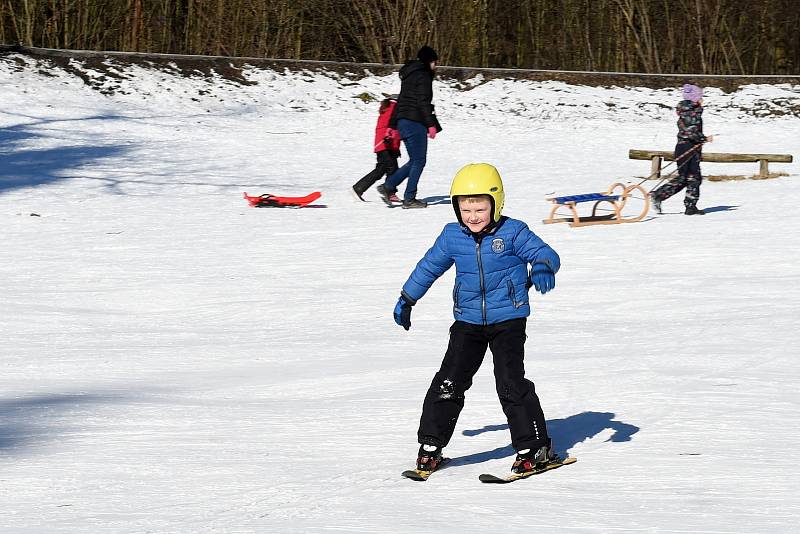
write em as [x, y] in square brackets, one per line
[565, 433]
[438, 199]
[38, 420]
[712, 209]
[28, 167]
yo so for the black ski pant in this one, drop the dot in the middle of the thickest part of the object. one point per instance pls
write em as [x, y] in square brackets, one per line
[688, 176]
[386, 166]
[465, 352]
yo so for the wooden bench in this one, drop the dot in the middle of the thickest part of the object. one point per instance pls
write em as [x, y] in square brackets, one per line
[657, 156]
[617, 196]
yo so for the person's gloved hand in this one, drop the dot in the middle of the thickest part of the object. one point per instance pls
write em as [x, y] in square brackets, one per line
[432, 132]
[402, 312]
[542, 278]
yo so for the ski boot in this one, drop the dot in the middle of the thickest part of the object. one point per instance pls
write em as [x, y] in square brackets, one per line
[429, 457]
[532, 459]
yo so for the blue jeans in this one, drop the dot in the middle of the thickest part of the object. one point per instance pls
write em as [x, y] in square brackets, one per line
[415, 136]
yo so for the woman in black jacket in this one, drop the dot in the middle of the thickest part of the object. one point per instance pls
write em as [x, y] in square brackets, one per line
[415, 121]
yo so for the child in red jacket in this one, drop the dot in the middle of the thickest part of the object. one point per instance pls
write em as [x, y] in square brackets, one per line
[387, 150]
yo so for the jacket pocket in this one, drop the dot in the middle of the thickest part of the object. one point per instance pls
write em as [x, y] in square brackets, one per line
[512, 295]
[456, 307]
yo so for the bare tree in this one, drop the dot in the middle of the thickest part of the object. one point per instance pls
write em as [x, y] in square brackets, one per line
[703, 36]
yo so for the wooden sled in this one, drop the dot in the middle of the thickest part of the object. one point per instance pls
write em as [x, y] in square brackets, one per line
[617, 196]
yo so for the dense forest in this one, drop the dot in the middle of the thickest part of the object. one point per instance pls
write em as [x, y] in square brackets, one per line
[650, 36]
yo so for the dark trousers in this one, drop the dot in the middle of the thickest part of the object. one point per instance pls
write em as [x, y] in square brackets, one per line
[465, 352]
[688, 176]
[387, 164]
[415, 137]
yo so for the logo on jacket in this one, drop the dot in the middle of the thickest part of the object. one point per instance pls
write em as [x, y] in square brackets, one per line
[498, 246]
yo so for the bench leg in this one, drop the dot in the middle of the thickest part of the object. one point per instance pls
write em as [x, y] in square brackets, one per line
[763, 168]
[655, 167]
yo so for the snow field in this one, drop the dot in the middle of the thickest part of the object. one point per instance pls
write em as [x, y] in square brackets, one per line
[174, 361]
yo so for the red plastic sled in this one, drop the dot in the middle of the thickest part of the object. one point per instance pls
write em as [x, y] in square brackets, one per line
[272, 201]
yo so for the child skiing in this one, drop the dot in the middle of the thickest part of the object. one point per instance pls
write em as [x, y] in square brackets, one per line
[387, 150]
[490, 305]
[687, 152]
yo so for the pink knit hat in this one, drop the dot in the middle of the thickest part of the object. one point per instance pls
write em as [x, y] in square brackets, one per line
[692, 92]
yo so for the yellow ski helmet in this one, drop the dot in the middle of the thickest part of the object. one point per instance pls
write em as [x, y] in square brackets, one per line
[479, 179]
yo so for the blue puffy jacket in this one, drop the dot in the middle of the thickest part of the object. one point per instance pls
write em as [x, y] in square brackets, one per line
[491, 273]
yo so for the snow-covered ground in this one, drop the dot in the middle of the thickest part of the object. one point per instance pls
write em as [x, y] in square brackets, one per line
[174, 361]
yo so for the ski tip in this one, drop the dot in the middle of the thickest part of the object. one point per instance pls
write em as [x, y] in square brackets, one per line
[413, 474]
[491, 479]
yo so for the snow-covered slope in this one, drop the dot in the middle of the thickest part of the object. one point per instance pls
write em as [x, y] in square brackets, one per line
[174, 361]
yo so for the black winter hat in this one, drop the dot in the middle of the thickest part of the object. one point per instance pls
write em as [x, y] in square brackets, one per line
[427, 54]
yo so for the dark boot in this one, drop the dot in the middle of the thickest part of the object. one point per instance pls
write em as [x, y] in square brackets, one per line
[693, 210]
[357, 194]
[656, 203]
[386, 195]
[413, 204]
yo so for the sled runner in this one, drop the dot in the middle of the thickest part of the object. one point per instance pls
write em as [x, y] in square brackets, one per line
[272, 201]
[617, 197]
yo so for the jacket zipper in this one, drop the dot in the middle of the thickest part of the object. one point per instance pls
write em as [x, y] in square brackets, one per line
[483, 287]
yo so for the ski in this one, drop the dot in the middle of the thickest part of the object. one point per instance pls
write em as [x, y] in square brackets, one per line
[272, 201]
[420, 475]
[555, 464]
